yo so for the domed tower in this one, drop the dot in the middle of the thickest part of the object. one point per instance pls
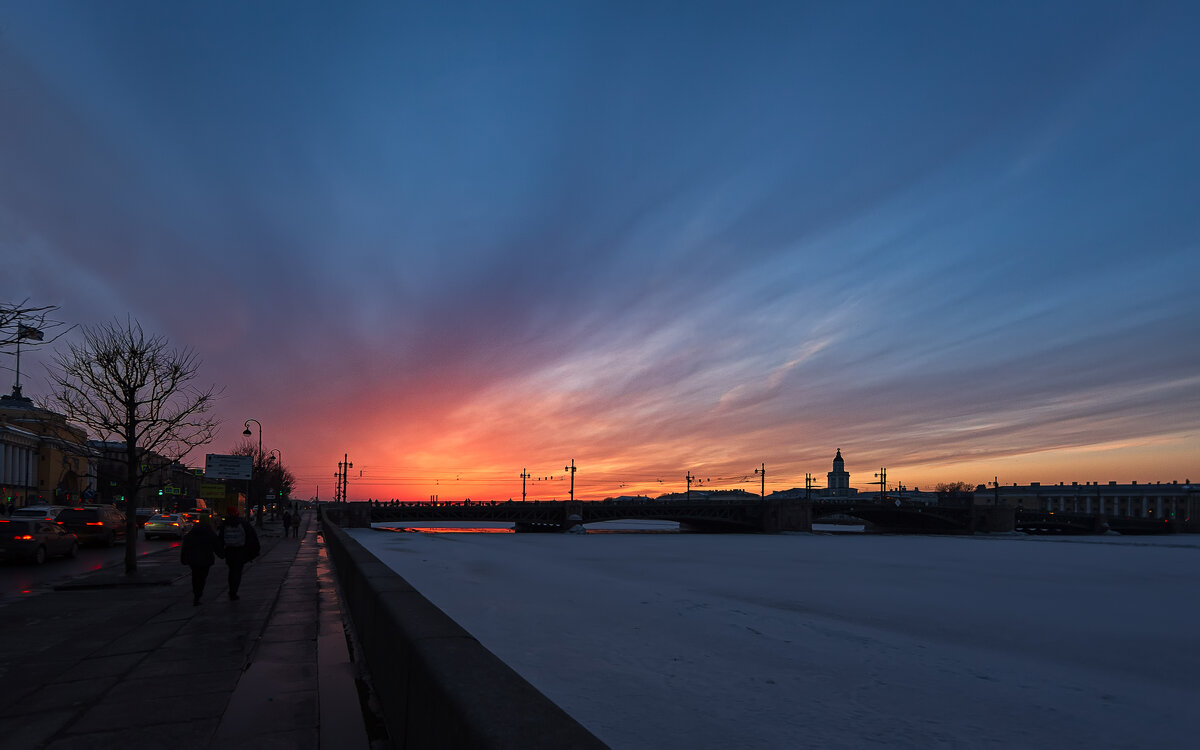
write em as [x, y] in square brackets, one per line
[838, 481]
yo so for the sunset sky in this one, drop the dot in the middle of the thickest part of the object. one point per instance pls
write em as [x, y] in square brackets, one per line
[459, 240]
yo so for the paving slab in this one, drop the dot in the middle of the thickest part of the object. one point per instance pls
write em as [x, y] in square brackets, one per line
[103, 661]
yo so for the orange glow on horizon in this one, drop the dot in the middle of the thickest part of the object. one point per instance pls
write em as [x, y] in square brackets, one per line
[482, 476]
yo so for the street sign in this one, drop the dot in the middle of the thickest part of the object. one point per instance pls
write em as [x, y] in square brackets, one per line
[218, 466]
[212, 491]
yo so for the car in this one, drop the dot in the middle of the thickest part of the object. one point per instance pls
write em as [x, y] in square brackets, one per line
[35, 540]
[198, 515]
[166, 524]
[143, 515]
[94, 524]
[37, 513]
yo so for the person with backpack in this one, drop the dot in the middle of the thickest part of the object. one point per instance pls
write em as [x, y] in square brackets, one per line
[200, 545]
[240, 544]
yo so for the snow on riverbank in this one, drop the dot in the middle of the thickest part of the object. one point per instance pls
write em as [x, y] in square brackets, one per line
[799, 640]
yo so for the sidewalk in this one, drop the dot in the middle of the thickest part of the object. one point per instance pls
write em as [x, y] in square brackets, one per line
[99, 663]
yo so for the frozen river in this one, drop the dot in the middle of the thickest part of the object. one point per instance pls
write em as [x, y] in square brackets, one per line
[811, 640]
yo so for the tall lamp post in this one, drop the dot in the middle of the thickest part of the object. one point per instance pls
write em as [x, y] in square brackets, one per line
[277, 456]
[258, 520]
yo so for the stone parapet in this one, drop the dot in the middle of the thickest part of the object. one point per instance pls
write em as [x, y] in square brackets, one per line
[437, 686]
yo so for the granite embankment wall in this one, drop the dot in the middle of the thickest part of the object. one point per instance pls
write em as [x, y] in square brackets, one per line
[437, 686]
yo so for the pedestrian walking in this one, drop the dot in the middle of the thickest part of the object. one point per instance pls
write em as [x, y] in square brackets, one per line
[200, 547]
[240, 544]
[287, 523]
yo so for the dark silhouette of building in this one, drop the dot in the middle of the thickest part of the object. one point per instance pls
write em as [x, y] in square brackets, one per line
[838, 481]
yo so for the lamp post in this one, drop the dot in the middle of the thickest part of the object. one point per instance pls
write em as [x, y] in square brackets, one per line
[258, 520]
[571, 469]
[277, 457]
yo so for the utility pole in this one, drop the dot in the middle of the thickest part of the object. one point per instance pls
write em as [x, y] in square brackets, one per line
[882, 485]
[571, 469]
[689, 479]
[763, 472]
[808, 483]
[524, 475]
[996, 483]
[346, 477]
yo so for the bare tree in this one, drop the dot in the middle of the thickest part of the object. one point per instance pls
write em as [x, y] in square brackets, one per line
[23, 324]
[954, 493]
[962, 487]
[270, 475]
[120, 383]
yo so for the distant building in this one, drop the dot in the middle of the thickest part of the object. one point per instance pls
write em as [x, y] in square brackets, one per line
[837, 486]
[838, 481]
[1134, 500]
[169, 485]
[44, 460]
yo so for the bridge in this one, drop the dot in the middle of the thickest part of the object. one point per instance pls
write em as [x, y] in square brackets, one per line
[760, 516]
[896, 517]
[752, 515]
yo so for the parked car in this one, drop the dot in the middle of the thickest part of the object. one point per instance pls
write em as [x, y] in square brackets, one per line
[35, 540]
[38, 512]
[166, 524]
[94, 524]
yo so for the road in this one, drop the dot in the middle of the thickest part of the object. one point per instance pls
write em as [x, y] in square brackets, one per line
[23, 579]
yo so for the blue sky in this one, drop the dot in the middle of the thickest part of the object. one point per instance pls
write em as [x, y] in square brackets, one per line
[955, 240]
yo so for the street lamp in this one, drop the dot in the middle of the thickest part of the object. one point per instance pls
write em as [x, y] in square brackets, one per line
[258, 520]
[571, 469]
[277, 457]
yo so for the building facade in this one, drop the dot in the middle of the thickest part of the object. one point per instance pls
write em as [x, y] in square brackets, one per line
[168, 486]
[1167, 501]
[45, 459]
[18, 464]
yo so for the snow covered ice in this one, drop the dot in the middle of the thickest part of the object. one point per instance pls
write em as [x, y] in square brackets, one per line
[848, 641]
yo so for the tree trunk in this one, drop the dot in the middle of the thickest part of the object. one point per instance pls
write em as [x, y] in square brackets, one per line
[131, 488]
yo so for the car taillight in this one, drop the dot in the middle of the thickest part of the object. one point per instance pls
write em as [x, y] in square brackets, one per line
[93, 523]
[23, 537]
[174, 524]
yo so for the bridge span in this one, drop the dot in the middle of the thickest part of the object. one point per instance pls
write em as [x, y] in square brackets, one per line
[743, 515]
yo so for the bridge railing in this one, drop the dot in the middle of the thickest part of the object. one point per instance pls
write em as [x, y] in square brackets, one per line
[437, 686]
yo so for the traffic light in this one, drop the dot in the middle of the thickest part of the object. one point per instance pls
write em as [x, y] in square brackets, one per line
[160, 493]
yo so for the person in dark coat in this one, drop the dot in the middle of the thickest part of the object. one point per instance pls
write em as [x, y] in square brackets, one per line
[240, 544]
[200, 547]
[287, 523]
